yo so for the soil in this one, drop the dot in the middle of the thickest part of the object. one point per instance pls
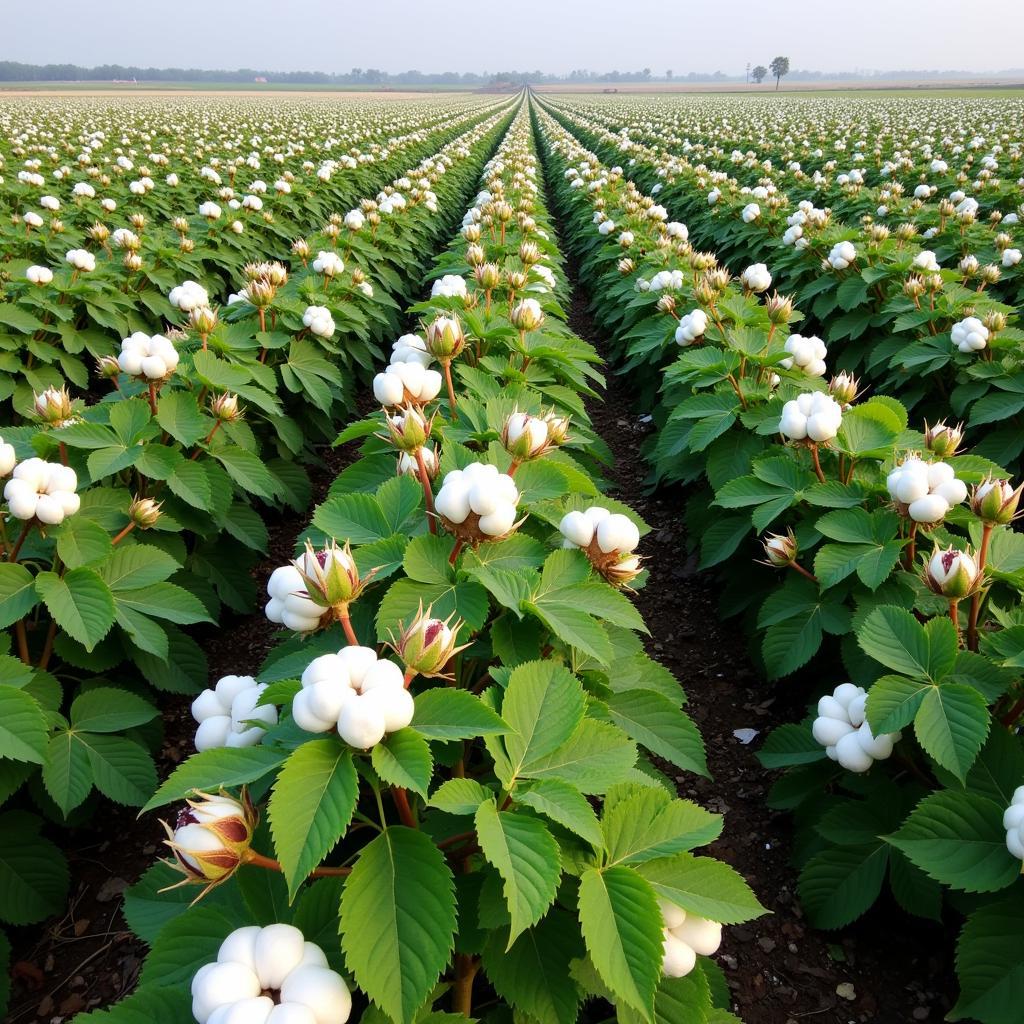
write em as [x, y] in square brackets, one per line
[886, 969]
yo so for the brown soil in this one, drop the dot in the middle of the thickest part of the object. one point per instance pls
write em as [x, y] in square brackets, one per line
[779, 969]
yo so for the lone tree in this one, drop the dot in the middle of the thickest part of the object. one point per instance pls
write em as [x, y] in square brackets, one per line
[780, 67]
[758, 73]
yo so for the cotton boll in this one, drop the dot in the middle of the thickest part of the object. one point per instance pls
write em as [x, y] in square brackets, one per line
[701, 935]
[361, 724]
[678, 959]
[929, 509]
[221, 983]
[852, 755]
[291, 1013]
[577, 529]
[305, 718]
[452, 501]
[357, 662]
[320, 990]
[395, 704]
[213, 732]
[498, 522]
[278, 951]
[829, 731]
[845, 693]
[245, 1011]
[672, 915]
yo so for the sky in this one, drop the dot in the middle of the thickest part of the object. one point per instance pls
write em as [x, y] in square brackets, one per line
[545, 35]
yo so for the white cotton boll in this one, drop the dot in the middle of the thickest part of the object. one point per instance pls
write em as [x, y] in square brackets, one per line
[395, 703]
[877, 747]
[845, 693]
[793, 423]
[929, 509]
[361, 724]
[320, 990]
[483, 499]
[326, 697]
[245, 1011]
[312, 956]
[305, 718]
[452, 501]
[290, 1013]
[857, 710]
[678, 959]
[209, 704]
[701, 935]
[220, 983]
[851, 755]
[278, 951]
[672, 915]
[388, 389]
[356, 662]
[498, 522]
[829, 731]
[382, 674]
[213, 732]
[953, 491]
[1011, 257]
[240, 947]
[577, 529]
[617, 533]
[939, 473]
[912, 485]
[49, 510]
[284, 581]
[829, 707]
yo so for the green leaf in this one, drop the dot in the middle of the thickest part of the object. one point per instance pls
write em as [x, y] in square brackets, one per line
[398, 920]
[443, 713]
[135, 566]
[80, 603]
[108, 709]
[33, 872]
[895, 638]
[426, 559]
[178, 414]
[81, 541]
[23, 732]
[656, 723]
[839, 884]
[563, 804]
[459, 796]
[247, 470]
[594, 758]
[185, 944]
[990, 963]
[534, 974]
[622, 928]
[959, 840]
[703, 886]
[18, 595]
[893, 701]
[67, 774]
[527, 858]
[951, 725]
[122, 770]
[403, 759]
[311, 806]
[543, 706]
[643, 823]
[211, 769]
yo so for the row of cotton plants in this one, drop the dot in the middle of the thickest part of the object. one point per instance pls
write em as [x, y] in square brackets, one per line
[103, 252]
[889, 566]
[140, 509]
[927, 319]
[448, 790]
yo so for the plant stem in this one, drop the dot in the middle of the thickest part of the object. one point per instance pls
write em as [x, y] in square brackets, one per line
[451, 389]
[410, 675]
[428, 494]
[13, 556]
[19, 631]
[911, 548]
[462, 991]
[51, 634]
[152, 397]
[124, 533]
[462, 837]
[797, 567]
[954, 617]
[455, 552]
[259, 861]
[346, 624]
[401, 798]
[972, 621]
[817, 463]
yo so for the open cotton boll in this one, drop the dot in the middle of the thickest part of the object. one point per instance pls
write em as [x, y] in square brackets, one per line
[841, 728]
[813, 415]
[617, 533]
[691, 326]
[1013, 822]
[224, 714]
[188, 295]
[289, 602]
[970, 335]
[411, 348]
[756, 278]
[577, 529]
[450, 286]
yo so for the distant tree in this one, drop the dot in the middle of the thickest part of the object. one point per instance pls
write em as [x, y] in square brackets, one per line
[780, 67]
[646, 74]
[668, 74]
[758, 73]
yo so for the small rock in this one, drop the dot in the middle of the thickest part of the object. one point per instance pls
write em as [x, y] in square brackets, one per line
[920, 1013]
[845, 990]
[111, 889]
[766, 944]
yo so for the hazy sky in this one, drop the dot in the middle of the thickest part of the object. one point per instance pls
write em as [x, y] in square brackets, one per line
[550, 35]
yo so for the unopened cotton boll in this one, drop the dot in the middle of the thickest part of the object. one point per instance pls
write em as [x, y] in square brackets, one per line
[970, 334]
[269, 975]
[842, 729]
[685, 937]
[812, 416]
[42, 490]
[1013, 822]
[228, 716]
[807, 354]
[691, 327]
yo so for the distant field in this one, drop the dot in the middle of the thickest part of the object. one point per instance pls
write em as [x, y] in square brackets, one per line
[1002, 89]
[228, 88]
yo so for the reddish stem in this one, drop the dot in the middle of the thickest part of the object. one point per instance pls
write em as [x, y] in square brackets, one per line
[428, 494]
[346, 625]
[455, 552]
[401, 798]
[972, 622]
